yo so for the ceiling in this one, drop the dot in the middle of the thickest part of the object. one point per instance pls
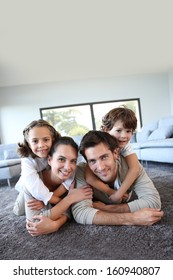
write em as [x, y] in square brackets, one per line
[57, 40]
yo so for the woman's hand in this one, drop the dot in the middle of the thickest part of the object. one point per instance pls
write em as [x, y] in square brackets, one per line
[44, 225]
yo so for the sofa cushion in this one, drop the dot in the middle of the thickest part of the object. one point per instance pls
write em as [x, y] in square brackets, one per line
[162, 143]
[146, 130]
[151, 126]
[143, 135]
[10, 154]
[9, 162]
[162, 132]
[136, 146]
[165, 121]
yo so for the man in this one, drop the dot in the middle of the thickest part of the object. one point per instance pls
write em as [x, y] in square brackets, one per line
[100, 151]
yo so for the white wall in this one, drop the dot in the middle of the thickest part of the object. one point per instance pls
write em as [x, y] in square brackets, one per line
[171, 89]
[20, 105]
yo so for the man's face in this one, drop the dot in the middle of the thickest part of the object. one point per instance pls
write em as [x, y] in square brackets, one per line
[102, 162]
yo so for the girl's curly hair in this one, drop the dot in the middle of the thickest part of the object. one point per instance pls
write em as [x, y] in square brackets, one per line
[23, 148]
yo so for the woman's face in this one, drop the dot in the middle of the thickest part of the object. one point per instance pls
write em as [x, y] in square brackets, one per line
[63, 162]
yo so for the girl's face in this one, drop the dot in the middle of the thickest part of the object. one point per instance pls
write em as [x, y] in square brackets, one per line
[40, 141]
[63, 162]
[123, 135]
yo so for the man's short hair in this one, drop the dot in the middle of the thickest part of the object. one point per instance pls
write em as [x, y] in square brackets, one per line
[94, 137]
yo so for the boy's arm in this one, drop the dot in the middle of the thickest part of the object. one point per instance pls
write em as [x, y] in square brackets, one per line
[95, 182]
[132, 174]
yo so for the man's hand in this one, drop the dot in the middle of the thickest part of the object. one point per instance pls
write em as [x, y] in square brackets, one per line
[147, 216]
[35, 204]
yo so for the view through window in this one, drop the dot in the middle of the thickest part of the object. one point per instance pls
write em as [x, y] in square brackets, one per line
[77, 119]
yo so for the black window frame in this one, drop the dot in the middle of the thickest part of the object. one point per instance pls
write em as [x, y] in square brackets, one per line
[91, 105]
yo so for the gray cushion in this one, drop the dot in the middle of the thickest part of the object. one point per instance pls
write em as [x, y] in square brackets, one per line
[165, 121]
[10, 154]
[9, 162]
[162, 133]
[142, 136]
[161, 143]
[151, 126]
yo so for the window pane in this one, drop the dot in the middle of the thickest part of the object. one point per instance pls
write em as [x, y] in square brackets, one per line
[102, 108]
[71, 121]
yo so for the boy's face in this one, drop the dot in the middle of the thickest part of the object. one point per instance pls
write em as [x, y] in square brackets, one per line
[123, 135]
[102, 162]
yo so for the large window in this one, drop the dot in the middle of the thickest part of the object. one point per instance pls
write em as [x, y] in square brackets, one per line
[77, 119]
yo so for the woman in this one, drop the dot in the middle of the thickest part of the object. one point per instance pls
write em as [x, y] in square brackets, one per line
[62, 160]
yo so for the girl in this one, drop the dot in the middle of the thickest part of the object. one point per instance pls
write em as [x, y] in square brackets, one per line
[38, 138]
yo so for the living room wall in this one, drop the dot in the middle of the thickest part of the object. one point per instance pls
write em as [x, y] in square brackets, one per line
[171, 89]
[20, 104]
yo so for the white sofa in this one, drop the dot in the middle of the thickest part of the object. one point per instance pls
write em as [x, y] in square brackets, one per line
[155, 141]
[10, 162]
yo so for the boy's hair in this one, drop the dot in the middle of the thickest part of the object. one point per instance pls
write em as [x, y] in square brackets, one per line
[94, 137]
[24, 150]
[63, 140]
[126, 115]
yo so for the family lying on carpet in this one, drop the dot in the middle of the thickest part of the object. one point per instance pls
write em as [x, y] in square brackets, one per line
[52, 186]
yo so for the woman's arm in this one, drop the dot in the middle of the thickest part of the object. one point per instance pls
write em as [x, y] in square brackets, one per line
[45, 225]
[74, 195]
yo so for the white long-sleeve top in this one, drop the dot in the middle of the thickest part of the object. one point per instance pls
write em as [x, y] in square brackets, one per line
[30, 168]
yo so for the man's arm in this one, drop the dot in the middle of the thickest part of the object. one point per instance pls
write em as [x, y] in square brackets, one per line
[87, 212]
[143, 217]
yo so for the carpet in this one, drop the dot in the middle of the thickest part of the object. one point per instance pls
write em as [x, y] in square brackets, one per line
[89, 242]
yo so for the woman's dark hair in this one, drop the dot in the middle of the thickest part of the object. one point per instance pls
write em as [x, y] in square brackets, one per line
[63, 140]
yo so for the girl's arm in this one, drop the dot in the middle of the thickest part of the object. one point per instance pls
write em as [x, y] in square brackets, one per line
[32, 181]
[132, 174]
[95, 182]
[56, 197]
